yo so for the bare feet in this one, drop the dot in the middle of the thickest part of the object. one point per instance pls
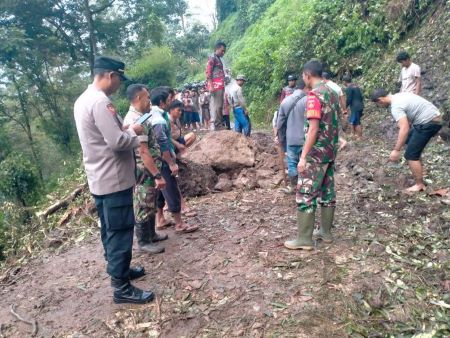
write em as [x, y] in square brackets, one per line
[342, 144]
[416, 188]
[184, 228]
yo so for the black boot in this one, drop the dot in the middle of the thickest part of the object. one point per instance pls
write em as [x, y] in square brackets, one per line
[154, 236]
[145, 244]
[137, 272]
[124, 292]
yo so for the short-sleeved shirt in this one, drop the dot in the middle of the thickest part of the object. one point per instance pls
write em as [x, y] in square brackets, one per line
[323, 104]
[408, 78]
[414, 107]
[335, 87]
[355, 99]
[143, 176]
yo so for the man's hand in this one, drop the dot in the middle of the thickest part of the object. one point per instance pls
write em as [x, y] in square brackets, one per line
[395, 156]
[125, 127]
[138, 128]
[301, 167]
[160, 183]
[182, 148]
[276, 140]
[174, 169]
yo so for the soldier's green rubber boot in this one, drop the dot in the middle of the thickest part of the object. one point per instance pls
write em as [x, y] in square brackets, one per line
[326, 221]
[305, 224]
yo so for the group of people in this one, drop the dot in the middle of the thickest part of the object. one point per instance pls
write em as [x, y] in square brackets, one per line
[306, 128]
[132, 170]
[131, 163]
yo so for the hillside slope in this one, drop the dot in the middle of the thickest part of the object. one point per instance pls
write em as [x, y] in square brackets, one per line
[357, 37]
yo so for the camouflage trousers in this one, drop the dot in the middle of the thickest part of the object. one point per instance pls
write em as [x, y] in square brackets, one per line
[144, 202]
[316, 182]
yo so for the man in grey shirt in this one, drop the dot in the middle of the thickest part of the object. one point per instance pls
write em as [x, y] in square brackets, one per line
[290, 126]
[108, 159]
[418, 121]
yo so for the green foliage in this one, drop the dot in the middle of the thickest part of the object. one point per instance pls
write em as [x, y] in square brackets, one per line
[345, 35]
[155, 68]
[224, 8]
[226, 32]
[19, 179]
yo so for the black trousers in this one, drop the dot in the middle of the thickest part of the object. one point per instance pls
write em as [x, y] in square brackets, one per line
[117, 226]
[226, 121]
[171, 193]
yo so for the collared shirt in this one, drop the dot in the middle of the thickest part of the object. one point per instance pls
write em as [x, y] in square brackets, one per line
[107, 149]
[162, 130]
[323, 104]
[237, 97]
[143, 176]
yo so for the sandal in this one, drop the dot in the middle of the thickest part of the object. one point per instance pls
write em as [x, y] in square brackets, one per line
[166, 224]
[186, 229]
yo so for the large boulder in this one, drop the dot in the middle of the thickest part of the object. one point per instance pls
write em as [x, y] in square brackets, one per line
[196, 179]
[223, 150]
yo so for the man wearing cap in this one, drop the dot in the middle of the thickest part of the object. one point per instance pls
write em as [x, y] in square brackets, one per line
[290, 88]
[215, 78]
[107, 147]
[418, 121]
[241, 122]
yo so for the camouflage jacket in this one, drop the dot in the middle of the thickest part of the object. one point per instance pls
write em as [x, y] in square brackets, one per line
[143, 176]
[323, 104]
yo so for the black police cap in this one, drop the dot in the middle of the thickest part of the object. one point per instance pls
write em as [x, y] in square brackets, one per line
[292, 78]
[109, 64]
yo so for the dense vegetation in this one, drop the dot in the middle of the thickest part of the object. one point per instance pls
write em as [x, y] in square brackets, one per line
[346, 35]
[47, 50]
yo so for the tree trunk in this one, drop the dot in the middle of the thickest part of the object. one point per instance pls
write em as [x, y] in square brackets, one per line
[92, 38]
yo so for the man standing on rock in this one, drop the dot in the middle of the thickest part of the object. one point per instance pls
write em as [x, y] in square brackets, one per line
[316, 165]
[148, 175]
[410, 75]
[108, 159]
[290, 127]
[290, 88]
[215, 78]
[240, 111]
[418, 121]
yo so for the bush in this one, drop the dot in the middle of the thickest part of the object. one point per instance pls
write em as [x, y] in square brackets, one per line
[156, 68]
[19, 179]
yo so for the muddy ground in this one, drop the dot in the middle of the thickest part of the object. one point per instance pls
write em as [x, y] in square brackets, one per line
[387, 273]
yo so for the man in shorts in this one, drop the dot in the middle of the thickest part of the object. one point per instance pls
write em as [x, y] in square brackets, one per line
[355, 101]
[418, 121]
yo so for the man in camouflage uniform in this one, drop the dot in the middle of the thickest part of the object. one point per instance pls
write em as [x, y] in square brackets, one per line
[316, 165]
[148, 176]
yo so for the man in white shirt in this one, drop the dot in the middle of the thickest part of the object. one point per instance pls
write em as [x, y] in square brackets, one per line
[409, 75]
[418, 121]
[342, 102]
